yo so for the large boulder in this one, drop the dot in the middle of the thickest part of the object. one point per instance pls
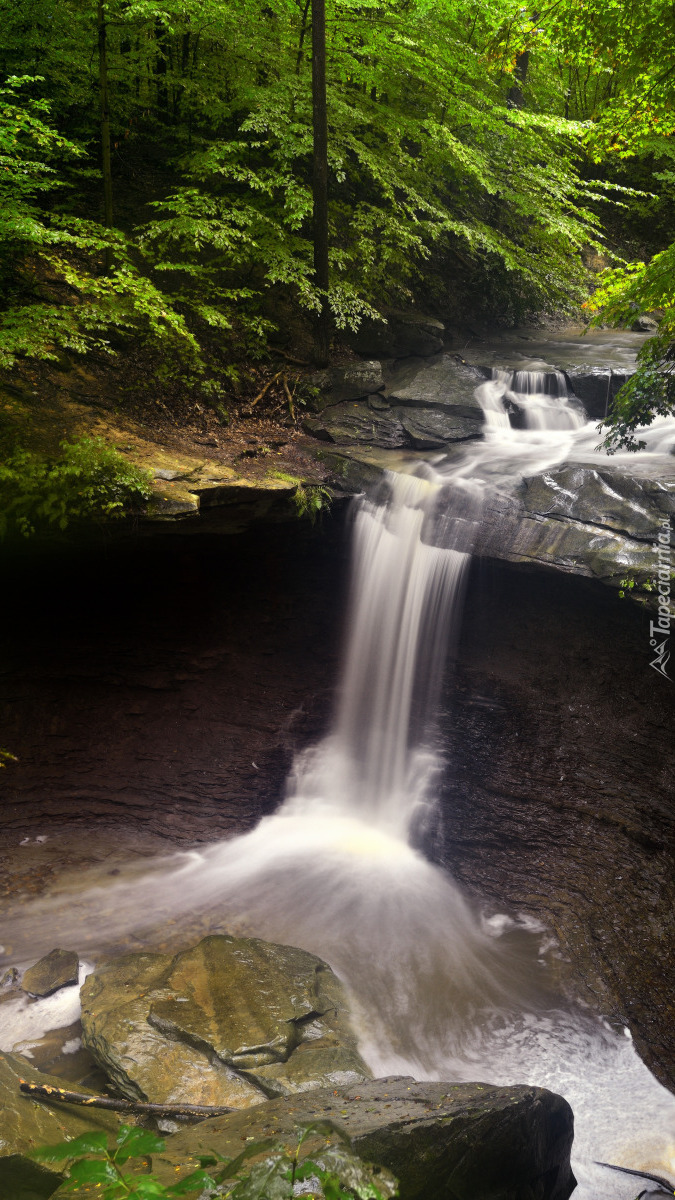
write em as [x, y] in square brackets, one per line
[449, 1141]
[596, 387]
[446, 383]
[602, 496]
[229, 1022]
[358, 424]
[432, 429]
[26, 1124]
[425, 406]
[398, 335]
[600, 522]
[350, 382]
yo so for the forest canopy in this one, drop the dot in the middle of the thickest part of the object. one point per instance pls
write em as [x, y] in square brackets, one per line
[157, 171]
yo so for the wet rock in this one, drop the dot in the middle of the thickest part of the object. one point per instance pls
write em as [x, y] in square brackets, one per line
[356, 423]
[378, 403]
[431, 429]
[447, 383]
[229, 1022]
[402, 335]
[443, 1140]
[56, 970]
[27, 1124]
[596, 387]
[605, 497]
[425, 406]
[10, 978]
[351, 382]
[597, 522]
[644, 324]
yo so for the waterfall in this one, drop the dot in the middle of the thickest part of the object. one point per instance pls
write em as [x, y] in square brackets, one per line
[437, 991]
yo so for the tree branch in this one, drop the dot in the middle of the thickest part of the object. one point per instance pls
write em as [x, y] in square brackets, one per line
[54, 1095]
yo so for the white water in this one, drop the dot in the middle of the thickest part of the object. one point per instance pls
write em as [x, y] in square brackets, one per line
[436, 992]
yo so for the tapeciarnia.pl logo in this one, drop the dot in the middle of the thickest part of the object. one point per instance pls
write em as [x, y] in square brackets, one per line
[659, 630]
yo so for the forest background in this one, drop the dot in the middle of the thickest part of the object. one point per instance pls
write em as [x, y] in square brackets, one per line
[484, 158]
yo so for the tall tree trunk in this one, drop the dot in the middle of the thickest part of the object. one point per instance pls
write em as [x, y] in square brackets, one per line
[162, 66]
[320, 176]
[515, 97]
[104, 101]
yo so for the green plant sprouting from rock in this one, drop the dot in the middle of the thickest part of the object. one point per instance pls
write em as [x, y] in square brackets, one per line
[119, 1172]
[312, 501]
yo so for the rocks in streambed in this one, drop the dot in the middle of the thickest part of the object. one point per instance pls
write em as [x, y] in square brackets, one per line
[26, 1124]
[230, 1022]
[446, 1140]
[56, 970]
[431, 429]
[426, 405]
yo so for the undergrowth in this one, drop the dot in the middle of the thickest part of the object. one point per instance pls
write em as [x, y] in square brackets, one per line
[87, 481]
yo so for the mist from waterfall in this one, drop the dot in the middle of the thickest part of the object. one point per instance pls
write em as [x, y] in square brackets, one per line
[438, 991]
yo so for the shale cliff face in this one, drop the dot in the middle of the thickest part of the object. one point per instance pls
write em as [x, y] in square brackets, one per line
[155, 695]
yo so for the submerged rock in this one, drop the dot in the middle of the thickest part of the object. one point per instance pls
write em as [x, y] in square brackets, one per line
[229, 1022]
[56, 970]
[441, 1140]
[27, 1124]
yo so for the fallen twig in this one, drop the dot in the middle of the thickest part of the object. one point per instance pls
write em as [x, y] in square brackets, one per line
[53, 1095]
[664, 1183]
[289, 357]
[268, 385]
[291, 407]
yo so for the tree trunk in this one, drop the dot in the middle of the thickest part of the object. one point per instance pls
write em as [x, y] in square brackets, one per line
[104, 101]
[515, 97]
[320, 177]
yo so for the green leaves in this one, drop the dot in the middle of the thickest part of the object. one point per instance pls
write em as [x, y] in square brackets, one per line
[86, 1143]
[89, 481]
[338, 1173]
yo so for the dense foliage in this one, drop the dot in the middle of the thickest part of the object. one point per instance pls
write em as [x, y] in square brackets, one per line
[157, 167]
[87, 481]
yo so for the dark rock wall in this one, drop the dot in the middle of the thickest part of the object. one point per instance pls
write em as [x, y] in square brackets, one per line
[558, 795]
[167, 682]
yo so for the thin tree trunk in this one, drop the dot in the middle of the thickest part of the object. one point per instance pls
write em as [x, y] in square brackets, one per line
[301, 39]
[104, 100]
[320, 177]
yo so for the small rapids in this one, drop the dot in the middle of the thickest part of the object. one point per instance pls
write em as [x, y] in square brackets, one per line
[437, 990]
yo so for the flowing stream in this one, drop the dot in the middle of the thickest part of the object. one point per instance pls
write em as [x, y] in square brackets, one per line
[438, 991]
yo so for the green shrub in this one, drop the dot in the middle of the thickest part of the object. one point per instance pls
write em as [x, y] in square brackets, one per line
[89, 481]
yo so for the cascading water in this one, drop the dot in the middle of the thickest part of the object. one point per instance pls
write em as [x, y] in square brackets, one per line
[436, 992]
